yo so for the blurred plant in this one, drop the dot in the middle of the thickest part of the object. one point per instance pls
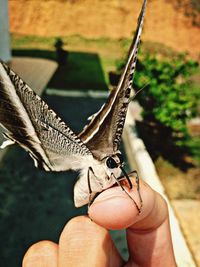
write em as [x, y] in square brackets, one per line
[169, 99]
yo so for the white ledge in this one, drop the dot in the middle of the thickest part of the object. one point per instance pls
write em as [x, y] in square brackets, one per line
[140, 160]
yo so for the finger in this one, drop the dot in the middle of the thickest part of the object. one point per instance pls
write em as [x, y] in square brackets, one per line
[148, 233]
[44, 253]
[113, 209]
[83, 243]
[151, 247]
[149, 241]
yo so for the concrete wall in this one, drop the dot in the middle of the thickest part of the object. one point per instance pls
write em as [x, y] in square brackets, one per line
[5, 53]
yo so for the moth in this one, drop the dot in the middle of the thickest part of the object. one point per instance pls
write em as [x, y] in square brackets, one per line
[94, 152]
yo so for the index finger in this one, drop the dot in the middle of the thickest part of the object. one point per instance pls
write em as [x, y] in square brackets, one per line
[113, 209]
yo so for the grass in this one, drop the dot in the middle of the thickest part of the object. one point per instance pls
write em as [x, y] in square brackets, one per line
[82, 71]
[90, 60]
[87, 57]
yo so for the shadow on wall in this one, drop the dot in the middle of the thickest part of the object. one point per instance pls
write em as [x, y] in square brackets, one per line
[80, 71]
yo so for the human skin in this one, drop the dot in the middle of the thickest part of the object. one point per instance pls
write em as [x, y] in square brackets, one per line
[85, 240]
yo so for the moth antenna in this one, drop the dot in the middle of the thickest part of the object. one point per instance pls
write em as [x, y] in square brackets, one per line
[141, 89]
[89, 186]
[91, 199]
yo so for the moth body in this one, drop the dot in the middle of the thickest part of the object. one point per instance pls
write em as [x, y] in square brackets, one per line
[99, 176]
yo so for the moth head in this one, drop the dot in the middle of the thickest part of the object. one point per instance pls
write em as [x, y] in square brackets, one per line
[114, 161]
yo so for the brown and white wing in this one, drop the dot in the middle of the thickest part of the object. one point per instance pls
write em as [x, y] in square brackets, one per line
[34, 126]
[103, 134]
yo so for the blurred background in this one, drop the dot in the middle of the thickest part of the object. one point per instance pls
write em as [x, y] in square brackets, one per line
[73, 52]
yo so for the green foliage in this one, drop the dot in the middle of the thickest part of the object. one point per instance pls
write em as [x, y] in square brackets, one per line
[169, 98]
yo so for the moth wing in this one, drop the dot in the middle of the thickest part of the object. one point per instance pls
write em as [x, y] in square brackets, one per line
[103, 133]
[34, 126]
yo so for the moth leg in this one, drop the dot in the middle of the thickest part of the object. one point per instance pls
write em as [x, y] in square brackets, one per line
[91, 196]
[89, 185]
[127, 177]
[137, 179]
[138, 208]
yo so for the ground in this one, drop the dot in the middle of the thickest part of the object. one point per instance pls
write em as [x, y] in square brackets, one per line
[164, 23]
[179, 184]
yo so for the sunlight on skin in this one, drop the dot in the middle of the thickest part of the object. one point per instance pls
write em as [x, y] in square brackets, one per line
[43, 253]
[85, 242]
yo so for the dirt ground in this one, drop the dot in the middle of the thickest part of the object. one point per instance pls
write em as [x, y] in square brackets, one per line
[179, 184]
[183, 189]
[100, 18]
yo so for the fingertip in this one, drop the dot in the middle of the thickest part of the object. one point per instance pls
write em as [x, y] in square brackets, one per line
[86, 239]
[112, 214]
[114, 209]
[79, 225]
[40, 253]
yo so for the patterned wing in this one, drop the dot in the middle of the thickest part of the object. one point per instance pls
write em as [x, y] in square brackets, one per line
[35, 127]
[103, 134]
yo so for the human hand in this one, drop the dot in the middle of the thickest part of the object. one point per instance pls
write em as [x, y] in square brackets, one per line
[86, 243]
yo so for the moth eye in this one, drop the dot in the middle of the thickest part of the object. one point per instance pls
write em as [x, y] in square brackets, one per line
[121, 158]
[111, 164]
